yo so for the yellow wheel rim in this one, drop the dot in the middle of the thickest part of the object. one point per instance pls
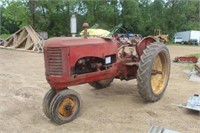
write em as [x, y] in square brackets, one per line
[68, 106]
[159, 73]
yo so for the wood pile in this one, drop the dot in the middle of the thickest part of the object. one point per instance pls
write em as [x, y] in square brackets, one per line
[25, 39]
[197, 67]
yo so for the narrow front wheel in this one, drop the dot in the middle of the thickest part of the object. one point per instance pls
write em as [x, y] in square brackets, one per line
[46, 102]
[65, 106]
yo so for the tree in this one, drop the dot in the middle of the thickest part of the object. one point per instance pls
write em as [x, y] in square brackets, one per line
[18, 12]
[103, 12]
[32, 7]
[130, 16]
[191, 15]
[137, 16]
[7, 26]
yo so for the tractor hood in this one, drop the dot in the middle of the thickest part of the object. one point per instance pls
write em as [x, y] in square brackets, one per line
[74, 41]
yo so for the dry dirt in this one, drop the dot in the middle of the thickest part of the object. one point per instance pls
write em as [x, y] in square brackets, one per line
[118, 108]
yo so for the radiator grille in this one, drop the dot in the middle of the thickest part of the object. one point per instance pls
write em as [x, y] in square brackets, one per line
[54, 62]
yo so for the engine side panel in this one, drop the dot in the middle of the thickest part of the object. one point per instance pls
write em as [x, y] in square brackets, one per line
[59, 62]
[100, 50]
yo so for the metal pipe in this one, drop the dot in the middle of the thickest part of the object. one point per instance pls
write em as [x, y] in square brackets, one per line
[85, 33]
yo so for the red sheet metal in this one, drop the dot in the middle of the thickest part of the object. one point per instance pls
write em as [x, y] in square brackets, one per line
[191, 59]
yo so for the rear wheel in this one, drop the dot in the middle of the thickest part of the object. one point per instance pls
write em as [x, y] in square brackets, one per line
[65, 106]
[153, 72]
[102, 83]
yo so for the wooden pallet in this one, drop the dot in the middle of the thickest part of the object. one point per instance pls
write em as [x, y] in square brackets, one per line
[197, 67]
[24, 39]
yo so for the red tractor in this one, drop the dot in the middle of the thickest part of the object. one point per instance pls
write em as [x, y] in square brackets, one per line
[97, 61]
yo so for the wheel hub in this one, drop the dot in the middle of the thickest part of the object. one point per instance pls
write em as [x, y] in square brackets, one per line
[67, 107]
[159, 73]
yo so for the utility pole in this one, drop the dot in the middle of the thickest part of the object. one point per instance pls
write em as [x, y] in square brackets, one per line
[32, 10]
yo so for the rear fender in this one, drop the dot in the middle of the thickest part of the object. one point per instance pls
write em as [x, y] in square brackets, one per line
[143, 44]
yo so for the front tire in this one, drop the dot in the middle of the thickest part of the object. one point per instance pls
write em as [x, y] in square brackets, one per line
[153, 72]
[65, 106]
[46, 102]
[102, 83]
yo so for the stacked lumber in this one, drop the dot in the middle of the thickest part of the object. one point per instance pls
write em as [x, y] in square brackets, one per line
[25, 39]
[197, 66]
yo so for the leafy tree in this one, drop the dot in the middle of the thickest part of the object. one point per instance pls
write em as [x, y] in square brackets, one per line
[175, 17]
[103, 12]
[32, 8]
[130, 15]
[137, 16]
[191, 15]
[7, 26]
[18, 12]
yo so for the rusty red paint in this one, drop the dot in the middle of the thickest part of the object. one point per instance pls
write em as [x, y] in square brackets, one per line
[62, 53]
[191, 59]
[143, 44]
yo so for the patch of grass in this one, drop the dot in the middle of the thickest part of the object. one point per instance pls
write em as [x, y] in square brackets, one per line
[172, 44]
[4, 36]
[188, 67]
[191, 66]
[196, 55]
[175, 44]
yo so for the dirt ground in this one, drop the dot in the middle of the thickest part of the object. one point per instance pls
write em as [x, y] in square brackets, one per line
[118, 108]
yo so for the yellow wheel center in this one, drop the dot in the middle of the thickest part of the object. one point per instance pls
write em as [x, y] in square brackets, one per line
[159, 73]
[67, 107]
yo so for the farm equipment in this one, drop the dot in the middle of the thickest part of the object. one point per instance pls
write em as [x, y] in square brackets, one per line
[185, 59]
[160, 36]
[71, 61]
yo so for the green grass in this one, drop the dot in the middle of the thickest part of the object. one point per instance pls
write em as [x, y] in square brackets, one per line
[188, 67]
[196, 55]
[191, 66]
[173, 44]
[4, 36]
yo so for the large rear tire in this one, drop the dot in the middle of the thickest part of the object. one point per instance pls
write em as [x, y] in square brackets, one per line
[102, 83]
[153, 72]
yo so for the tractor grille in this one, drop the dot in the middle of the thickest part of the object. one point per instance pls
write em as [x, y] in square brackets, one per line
[54, 61]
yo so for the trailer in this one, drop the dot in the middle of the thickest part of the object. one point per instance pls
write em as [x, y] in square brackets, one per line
[178, 39]
[189, 37]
